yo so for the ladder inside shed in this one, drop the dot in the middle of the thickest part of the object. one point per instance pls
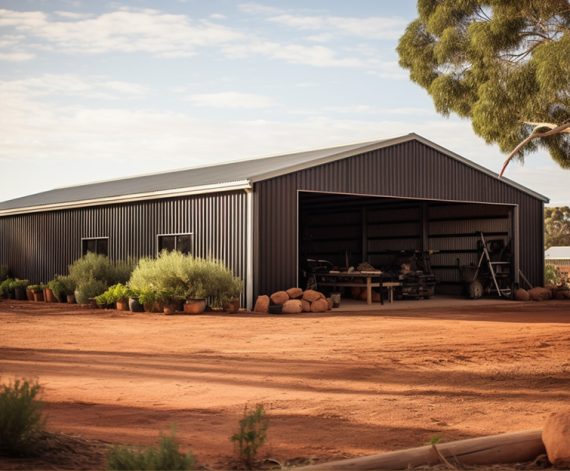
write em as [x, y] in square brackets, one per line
[499, 270]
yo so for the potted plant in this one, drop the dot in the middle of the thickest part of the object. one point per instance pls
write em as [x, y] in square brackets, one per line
[231, 290]
[116, 296]
[29, 293]
[55, 290]
[6, 290]
[134, 301]
[170, 301]
[195, 299]
[38, 292]
[20, 289]
[68, 289]
[147, 298]
[88, 290]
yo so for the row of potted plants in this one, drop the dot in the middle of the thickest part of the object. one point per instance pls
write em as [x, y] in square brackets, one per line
[169, 283]
[124, 298]
[60, 289]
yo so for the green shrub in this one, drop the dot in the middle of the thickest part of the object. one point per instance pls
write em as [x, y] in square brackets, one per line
[21, 419]
[166, 457]
[6, 289]
[58, 288]
[86, 290]
[17, 283]
[252, 434]
[552, 275]
[146, 296]
[4, 272]
[118, 292]
[184, 276]
[67, 284]
[100, 268]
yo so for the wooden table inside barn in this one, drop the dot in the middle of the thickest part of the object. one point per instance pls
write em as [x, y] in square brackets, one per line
[357, 279]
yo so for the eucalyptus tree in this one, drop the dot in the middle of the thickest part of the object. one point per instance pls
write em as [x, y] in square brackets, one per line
[503, 64]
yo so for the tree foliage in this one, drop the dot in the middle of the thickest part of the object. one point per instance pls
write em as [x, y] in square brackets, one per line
[557, 227]
[504, 64]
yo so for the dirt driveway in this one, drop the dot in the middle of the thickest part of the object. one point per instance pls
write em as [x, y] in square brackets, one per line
[334, 386]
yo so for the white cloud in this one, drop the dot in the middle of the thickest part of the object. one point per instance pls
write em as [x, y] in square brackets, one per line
[58, 85]
[317, 56]
[376, 110]
[231, 100]
[374, 27]
[371, 28]
[258, 9]
[124, 30]
[16, 56]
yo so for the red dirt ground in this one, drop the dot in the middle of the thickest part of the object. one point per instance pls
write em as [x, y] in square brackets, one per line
[335, 385]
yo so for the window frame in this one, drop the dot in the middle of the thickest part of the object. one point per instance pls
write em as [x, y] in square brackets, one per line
[83, 239]
[175, 235]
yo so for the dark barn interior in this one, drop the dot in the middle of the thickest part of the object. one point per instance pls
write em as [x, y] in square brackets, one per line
[383, 231]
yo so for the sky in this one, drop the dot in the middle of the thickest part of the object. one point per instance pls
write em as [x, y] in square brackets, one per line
[98, 90]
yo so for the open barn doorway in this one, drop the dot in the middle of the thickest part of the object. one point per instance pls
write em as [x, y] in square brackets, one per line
[423, 248]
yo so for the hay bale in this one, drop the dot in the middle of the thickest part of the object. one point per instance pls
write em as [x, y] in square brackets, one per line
[522, 295]
[330, 303]
[262, 304]
[556, 438]
[312, 295]
[539, 294]
[279, 297]
[320, 305]
[292, 306]
[306, 305]
[295, 293]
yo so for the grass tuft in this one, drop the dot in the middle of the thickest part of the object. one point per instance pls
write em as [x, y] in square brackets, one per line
[166, 457]
[21, 419]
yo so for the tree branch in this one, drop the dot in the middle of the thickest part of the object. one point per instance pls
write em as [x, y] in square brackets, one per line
[535, 134]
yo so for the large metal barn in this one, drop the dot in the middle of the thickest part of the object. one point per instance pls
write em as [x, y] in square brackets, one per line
[264, 217]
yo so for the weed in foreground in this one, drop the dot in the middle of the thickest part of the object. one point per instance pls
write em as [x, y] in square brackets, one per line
[166, 457]
[21, 420]
[252, 434]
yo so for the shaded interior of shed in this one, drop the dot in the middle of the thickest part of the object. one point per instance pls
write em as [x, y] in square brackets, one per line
[337, 227]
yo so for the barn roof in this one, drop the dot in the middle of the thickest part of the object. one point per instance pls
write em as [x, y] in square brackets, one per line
[212, 178]
[558, 253]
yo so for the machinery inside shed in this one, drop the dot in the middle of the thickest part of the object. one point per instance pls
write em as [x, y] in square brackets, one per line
[425, 247]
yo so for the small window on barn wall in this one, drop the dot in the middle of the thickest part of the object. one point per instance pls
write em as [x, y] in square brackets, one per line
[180, 242]
[98, 245]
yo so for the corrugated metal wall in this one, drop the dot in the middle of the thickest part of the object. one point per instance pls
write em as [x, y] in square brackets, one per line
[408, 170]
[39, 245]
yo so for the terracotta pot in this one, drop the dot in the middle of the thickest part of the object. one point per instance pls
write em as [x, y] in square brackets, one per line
[122, 305]
[195, 306]
[148, 307]
[232, 307]
[49, 296]
[70, 299]
[157, 307]
[29, 294]
[169, 309]
[38, 296]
